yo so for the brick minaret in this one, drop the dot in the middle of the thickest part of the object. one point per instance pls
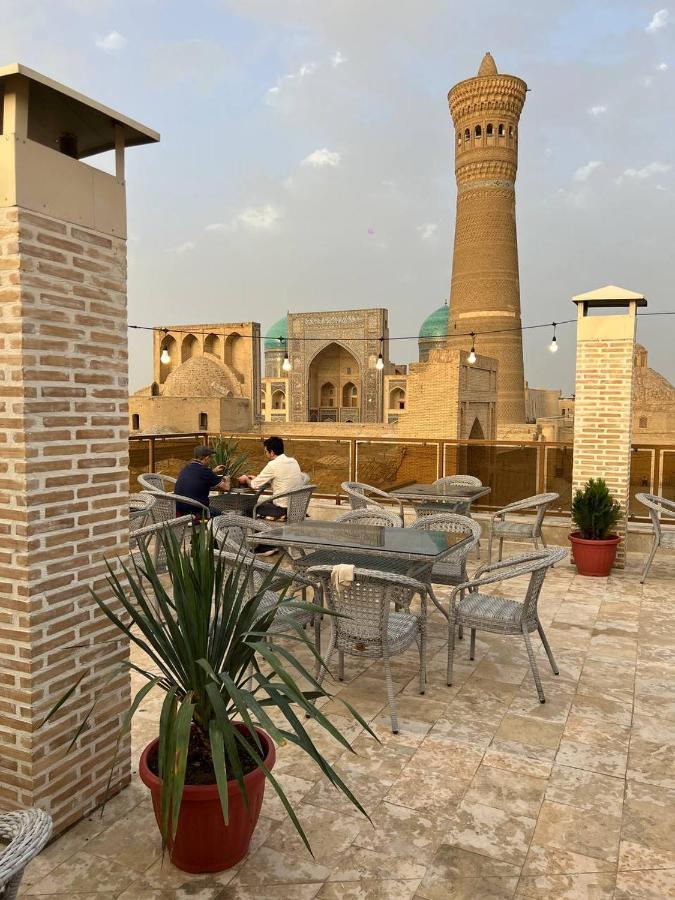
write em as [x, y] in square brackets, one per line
[64, 435]
[485, 290]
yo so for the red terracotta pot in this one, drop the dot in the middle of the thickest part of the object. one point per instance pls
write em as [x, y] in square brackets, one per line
[204, 843]
[594, 558]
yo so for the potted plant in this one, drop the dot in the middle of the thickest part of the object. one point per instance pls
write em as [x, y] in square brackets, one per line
[228, 454]
[595, 514]
[206, 636]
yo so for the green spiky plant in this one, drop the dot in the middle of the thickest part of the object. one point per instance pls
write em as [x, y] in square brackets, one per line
[227, 453]
[208, 639]
[595, 512]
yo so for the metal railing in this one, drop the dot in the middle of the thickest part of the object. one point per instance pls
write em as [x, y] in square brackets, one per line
[513, 469]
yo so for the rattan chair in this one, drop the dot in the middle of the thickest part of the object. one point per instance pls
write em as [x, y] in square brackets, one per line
[151, 538]
[164, 509]
[156, 481]
[25, 832]
[370, 516]
[140, 509]
[454, 571]
[283, 587]
[460, 507]
[367, 627]
[231, 530]
[657, 507]
[519, 530]
[362, 496]
[297, 502]
[469, 606]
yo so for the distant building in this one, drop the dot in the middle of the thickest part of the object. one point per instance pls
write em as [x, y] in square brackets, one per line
[653, 403]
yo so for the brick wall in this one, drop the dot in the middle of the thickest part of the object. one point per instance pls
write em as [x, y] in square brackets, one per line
[602, 409]
[63, 505]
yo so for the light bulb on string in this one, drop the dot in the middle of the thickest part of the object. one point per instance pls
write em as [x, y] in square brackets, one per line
[380, 359]
[553, 346]
[165, 356]
[286, 364]
[471, 358]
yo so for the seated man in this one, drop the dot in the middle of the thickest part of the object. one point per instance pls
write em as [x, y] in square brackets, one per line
[197, 479]
[281, 472]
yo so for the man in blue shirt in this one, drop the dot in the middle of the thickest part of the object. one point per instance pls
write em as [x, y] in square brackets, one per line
[197, 479]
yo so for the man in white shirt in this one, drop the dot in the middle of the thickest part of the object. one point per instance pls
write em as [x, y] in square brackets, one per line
[281, 472]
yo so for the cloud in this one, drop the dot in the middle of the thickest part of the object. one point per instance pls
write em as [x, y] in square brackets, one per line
[111, 42]
[598, 110]
[337, 59]
[259, 218]
[659, 20]
[305, 69]
[662, 67]
[216, 226]
[318, 159]
[427, 230]
[583, 173]
[182, 248]
[652, 168]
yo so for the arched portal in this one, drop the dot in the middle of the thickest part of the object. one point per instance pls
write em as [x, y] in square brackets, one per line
[476, 433]
[213, 343]
[278, 400]
[189, 347]
[397, 399]
[235, 354]
[334, 385]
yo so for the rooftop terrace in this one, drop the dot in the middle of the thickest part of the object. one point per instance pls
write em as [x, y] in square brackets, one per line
[484, 793]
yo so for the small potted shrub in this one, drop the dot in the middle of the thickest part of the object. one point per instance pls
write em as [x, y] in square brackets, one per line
[228, 454]
[595, 514]
[229, 686]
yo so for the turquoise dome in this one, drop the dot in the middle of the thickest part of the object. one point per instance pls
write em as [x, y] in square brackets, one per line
[436, 325]
[278, 330]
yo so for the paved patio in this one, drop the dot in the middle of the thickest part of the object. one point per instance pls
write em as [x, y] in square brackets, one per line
[485, 793]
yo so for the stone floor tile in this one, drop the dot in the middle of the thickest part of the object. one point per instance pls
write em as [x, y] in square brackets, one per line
[133, 841]
[456, 874]
[592, 886]
[514, 793]
[648, 827]
[80, 872]
[519, 758]
[68, 844]
[238, 891]
[491, 832]
[400, 831]
[529, 731]
[294, 788]
[585, 790]
[585, 832]
[602, 708]
[329, 836]
[646, 885]
[369, 864]
[550, 860]
[268, 866]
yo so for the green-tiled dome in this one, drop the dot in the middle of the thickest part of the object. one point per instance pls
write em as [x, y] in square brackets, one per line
[278, 330]
[435, 325]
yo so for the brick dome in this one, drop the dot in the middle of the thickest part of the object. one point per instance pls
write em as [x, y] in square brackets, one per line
[200, 376]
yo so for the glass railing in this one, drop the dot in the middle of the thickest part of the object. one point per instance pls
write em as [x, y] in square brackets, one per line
[512, 470]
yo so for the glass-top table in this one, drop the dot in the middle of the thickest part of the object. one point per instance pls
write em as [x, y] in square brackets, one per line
[400, 543]
[237, 499]
[447, 492]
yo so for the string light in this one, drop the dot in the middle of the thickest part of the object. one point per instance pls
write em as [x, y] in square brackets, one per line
[380, 359]
[286, 364]
[471, 358]
[553, 346]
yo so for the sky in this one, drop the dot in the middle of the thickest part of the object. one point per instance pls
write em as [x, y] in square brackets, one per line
[307, 153]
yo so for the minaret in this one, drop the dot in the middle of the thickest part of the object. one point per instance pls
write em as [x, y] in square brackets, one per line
[485, 290]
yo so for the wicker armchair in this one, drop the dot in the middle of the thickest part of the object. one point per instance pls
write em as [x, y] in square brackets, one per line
[155, 481]
[454, 571]
[361, 496]
[231, 530]
[284, 587]
[657, 507]
[459, 506]
[366, 625]
[150, 537]
[370, 516]
[297, 502]
[520, 531]
[25, 832]
[471, 607]
[164, 509]
[140, 509]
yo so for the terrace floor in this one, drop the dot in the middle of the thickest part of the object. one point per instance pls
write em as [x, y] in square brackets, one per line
[485, 793]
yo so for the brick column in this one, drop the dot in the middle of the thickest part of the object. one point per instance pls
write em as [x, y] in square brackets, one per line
[64, 441]
[604, 389]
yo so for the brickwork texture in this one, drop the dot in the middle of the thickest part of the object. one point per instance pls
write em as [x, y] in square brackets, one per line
[63, 508]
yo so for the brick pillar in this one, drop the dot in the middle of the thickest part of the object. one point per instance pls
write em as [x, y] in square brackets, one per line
[64, 459]
[604, 389]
